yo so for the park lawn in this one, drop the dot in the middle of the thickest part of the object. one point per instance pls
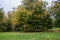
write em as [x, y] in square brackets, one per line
[30, 36]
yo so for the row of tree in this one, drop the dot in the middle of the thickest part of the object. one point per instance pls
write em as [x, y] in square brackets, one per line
[31, 16]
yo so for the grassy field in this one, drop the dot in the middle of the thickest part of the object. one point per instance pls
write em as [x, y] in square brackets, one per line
[30, 36]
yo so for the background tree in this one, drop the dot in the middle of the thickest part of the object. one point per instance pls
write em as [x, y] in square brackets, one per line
[2, 20]
[8, 22]
[56, 11]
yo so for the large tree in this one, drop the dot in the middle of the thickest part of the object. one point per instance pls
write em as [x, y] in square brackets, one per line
[31, 16]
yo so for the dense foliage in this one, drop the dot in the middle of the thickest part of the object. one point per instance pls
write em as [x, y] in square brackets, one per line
[30, 16]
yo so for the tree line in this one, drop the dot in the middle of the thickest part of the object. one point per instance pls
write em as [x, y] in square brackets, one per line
[31, 16]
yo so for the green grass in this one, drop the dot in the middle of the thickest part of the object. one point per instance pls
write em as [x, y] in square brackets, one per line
[30, 36]
[56, 29]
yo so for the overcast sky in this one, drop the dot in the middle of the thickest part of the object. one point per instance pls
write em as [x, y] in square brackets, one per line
[9, 4]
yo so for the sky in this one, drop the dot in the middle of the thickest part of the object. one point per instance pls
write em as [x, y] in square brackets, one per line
[7, 5]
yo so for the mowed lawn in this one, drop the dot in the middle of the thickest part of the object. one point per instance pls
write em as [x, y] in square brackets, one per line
[30, 36]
